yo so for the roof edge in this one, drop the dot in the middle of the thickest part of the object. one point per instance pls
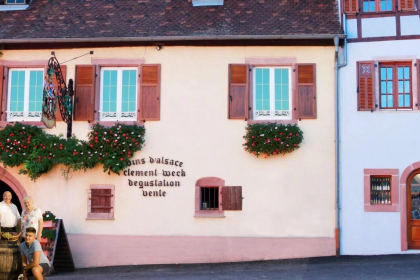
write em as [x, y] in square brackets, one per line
[175, 38]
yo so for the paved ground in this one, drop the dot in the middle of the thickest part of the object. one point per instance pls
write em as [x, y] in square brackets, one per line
[344, 267]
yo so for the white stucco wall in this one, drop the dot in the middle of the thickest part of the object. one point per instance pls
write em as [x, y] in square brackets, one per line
[410, 25]
[377, 27]
[351, 28]
[372, 140]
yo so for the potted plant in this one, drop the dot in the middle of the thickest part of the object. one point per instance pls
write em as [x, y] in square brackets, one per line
[49, 219]
[48, 235]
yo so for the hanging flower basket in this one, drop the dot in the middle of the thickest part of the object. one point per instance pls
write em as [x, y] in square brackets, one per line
[271, 139]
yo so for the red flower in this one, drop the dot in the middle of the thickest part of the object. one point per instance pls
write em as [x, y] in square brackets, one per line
[121, 159]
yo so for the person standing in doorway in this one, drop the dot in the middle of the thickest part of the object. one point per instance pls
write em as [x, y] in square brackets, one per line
[31, 217]
[9, 214]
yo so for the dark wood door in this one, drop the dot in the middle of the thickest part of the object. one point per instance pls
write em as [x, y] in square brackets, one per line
[413, 210]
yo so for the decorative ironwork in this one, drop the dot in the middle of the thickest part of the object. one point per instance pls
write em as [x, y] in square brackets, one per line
[132, 115]
[262, 113]
[64, 95]
[281, 113]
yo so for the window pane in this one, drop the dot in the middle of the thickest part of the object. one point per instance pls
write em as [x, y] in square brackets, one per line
[36, 83]
[383, 101]
[17, 91]
[266, 76]
[389, 73]
[389, 5]
[407, 100]
[389, 89]
[109, 88]
[285, 105]
[407, 73]
[383, 87]
[400, 100]
[400, 73]
[281, 89]
[383, 73]
[266, 97]
[372, 6]
[400, 87]
[258, 76]
[407, 86]
[128, 90]
[390, 101]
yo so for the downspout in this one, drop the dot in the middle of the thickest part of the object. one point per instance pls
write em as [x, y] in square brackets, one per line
[337, 136]
[337, 158]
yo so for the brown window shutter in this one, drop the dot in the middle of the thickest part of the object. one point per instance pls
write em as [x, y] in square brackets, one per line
[58, 117]
[238, 91]
[351, 6]
[406, 5]
[101, 201]
[418, 83]
[306, 91]
[366, 86]
[149, 101]
[84, 94]
[232, 198]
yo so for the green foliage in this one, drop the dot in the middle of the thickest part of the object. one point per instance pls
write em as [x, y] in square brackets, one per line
[272, 139]
[48, 216]
[49, 233]
[38, 152]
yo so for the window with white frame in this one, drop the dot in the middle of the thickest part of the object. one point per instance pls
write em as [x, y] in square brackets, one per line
[118, 94]
[24, 100]
[272, 93]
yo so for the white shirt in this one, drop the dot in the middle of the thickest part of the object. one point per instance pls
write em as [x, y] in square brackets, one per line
[9, 215]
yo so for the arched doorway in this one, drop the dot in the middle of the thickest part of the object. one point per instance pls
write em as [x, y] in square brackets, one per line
[15, 199]
[413, 210]
[9, 183]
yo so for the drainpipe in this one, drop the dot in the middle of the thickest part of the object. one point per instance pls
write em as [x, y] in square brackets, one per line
[337, 158]
[337, 137]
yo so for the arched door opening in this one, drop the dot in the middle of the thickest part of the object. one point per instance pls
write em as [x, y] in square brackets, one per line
[413, 210]
[15, 199]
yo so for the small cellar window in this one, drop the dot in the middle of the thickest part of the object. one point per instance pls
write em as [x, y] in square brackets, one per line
[380, 190]
[209, 198]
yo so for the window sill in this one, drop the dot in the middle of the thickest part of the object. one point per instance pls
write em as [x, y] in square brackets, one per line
[91, 218]
[273, 121]
[209, 214]
[36, 123]
[12, 7]
[381, 208]
[111, 123]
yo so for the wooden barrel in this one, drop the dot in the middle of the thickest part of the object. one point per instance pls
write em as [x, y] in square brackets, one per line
[11, 261]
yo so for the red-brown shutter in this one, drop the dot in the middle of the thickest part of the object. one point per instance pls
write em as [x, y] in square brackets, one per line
[406, 5]
[84, 94]
[101, 201]
[232, 198]
[149, 101]
[418, 83]
[2, 81]
[366, 86]
[238, 91]
[58, 117]
[306, 91]
[351, 6]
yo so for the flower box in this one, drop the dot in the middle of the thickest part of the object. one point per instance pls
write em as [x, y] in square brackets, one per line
[44, 240]
[49, 224]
